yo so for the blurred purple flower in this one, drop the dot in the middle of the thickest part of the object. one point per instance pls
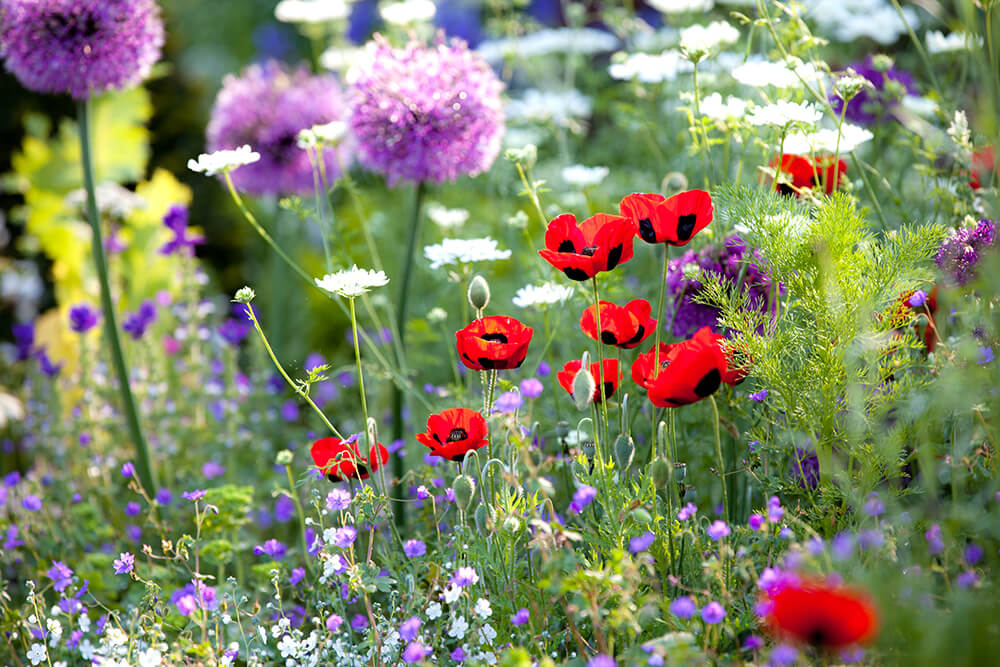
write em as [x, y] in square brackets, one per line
[176, 220]
[83, 318]
[960, 253]
[683, 607]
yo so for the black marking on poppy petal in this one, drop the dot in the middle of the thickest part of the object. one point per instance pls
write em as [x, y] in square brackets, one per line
[646, 231]
[488, 364]
[615, 256]
[458, 458]
[664, 364]
[438, 438]
[589, 251]
[818, 636]
[685, 226]
[457, 435]
[333, 478]
[708, 384]
[673, 402]
[495, 337]
[576, 274]
[361, 468]
[468, 358]
[608, 338]
[566, 246]
[609, 388]
[637, 337]
[786, 189]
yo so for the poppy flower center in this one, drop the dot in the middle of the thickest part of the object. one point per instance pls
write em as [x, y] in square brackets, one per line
[589, 250]
[457, 435]
[495, 337]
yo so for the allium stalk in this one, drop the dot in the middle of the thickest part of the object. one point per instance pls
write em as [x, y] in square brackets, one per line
[144, 469]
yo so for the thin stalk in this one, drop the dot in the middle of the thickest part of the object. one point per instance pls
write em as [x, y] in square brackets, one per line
[704, 133]
[656, 342]
[719, 460]
[302, 516]
[488, 409]
[600, 369]
[361, 381]
[144, 467]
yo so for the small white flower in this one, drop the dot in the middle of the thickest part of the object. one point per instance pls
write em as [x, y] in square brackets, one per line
[582, 176]
[288, 647]
[487, 634]
[561, 108]
[783, 114]
[112, 200]
[115, 637]
[584, 41]
[84, 622]
[54, 627]
[825, 140]
[353, 282]
[262, 632]
[458, 628]
[464, 251]
[87, 650]
[713, 107]
[936, 42]
[545, 294]
[433, 610]
[679, 6]
[311, 11]
[322, 135]
[150, 658]
[761, 74]
[408, 11]
[36, 653]
[649, 68]
[482, 609]
[451, 594]
[223, 161]
[447, 218]
[698, 41]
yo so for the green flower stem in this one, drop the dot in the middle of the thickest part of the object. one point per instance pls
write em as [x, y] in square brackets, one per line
[361, 387]
[302, 516]
[704, 133]
[656, 342]
[291, 383]
[532, 192]
[144, 467]
[600, 390]
[719, 460]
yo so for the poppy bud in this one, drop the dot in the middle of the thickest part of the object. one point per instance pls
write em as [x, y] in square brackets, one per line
[673, 183]
[641, 516]
[660, 470]
[624, 451]
[562, 429]
[465, 489]
[512, 525]
[284, 458]
[481, 518]
[589, 450]
[690, 494]
[479, 293]
[583, 388]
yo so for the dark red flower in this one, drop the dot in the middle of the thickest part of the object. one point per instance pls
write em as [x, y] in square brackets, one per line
[493, 342]
[600, 243]
[689, 371]
[454, 433]
[824, 616]
[611, 377]
[902, 312]
[984, 163]
[804, 174]
[622, 326]
[674, 221]
[339, 459]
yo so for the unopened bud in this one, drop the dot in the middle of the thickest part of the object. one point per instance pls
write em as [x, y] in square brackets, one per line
[589, 450]
[562, 429]
[624, 451]
[512, 525]
[284, 458]
[680, 471]
[583, 389]
[482, 518]
[641, 516]
[674, 183]
[479, 293]
[244, 295]
[465, 490]
[660, 471]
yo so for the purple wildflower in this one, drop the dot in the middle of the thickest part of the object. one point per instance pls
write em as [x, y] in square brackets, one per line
[48, 368]
[687, 512]
[298, 574]
[756, 521]
[333, 622]
[132, 508]
[414, 548]
[193, 495]
[758, 396]
[973, 553]
[918, 298]
[24, 340]
[338, 500]
[718, 530]
[870, 539]
[267, 106]
[458, 655]
[842, 546]
[60, 575]
[176, 220]
[509, 401]
[137, 323]
[82, 317]
[233, 331]
[960, 253]
[344, 537]
[582, 497]
[409, 629]
[531, 388]
[967, 579]
[602, 660]
[128, 469]
[12, 479]
[11, 540]
[642, 542]
[80, 47]
[874, 505]
[124, 563]
[713, 613]
[164, 496]
[272, 548]
[683, 607]
[464, 576]
[31, 502]
[284, 509]
[783, 655]
[212, 469]
[935, 544]
[872, 105]
[774, 509]
[985, 355]
[520, 617]
[359, 623]
[805, 468]
[427, 113]
[414, 652]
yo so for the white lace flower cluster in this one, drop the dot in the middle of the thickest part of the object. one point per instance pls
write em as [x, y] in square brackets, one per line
[464, 251]
[545, 294]
[223, 161]
[353, 282]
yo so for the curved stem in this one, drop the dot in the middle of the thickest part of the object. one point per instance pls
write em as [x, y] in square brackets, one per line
[144, 467]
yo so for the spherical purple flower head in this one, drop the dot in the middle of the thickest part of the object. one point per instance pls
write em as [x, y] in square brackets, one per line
[266, 106]
[960, 253]
[80, 47]
[683, 607]
[713, 613]
[872, 104]
[426, 113]
[733, 263]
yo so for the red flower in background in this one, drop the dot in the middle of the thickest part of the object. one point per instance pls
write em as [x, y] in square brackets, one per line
[805, 174]
[689, 371]
[599, 243]
[984, 162]
[674, 221]
[921, 303]
[339, 459]
[823, 616]
[612, 376]
[493, 342]
[622, 326]
[454, 433]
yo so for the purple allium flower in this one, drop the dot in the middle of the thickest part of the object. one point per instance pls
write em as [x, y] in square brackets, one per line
[409, 629]
[683, 607]
[344, 537]
[60, 575]
[359, 623]
[520, 617]
[338, 500]
[124, 563]
[582, 497]
[758, 396]
[414, 548]
[176, 220]
[426, 113]
[82, 317]
[783, 655]
[713, 613]
[31, 502]
[531, 388]
[509, 401]
[80, 47]
[333, 622]
[267, 106]
[602, 661]
[464, 576]
[960, 253]
[756, 521]
[137, 323]
[414, 652]
[212, 469]
[872, 105]
[874, 505]
[642, 542]
[718, 530]
[132, 508]
[128, 469]
[687, 512]
[193, 495]
[918, 298]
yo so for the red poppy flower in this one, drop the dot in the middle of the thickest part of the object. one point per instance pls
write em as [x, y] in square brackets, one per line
[902, 312]
[339, 459]
[454, 433]
[611, 377]
[674, 221]
[689, 371]
[493, 342]
[622, 326]
[803, 173]
[815, 613]
[984, 162]
[600, 243]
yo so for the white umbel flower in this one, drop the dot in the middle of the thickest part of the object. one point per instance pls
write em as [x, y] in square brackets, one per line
[679, 6]
[650, 68]
[546, 294]
[464, 251]
[937, 42]
[353, 282]
[447, 218]
[783, 114]
[713, 107]
[328, 134]
[761, 74]
[223, 161]
[112, 199]
[582, 176]
[408, 11]
[311, 11]
[698, 41]
[825, 140]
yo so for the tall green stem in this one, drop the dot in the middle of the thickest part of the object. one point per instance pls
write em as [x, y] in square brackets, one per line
[600, 379]
[704, 133]
[144, 466]
[719, 460]
[361, 385]
[656, 344]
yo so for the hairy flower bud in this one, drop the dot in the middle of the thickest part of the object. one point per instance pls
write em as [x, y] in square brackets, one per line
[465, 490]
[479, 293]
[661, 472]
[583, 388]
[624, 451]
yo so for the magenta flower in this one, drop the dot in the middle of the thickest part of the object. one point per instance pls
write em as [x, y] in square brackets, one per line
[333, 622]
[409, 629]
[426, 113]
[687, 512]
[60, 575]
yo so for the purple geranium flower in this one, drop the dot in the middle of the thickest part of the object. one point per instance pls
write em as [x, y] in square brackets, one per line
[520, 617]
[531, 388]
[83, 318]
[414, 548]
[176, 220]
[272, 548]
[60, 575]
[124, 563]
[641, 542]
[409, 629]
[683, 607]
[713, 613]
[582, 497]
